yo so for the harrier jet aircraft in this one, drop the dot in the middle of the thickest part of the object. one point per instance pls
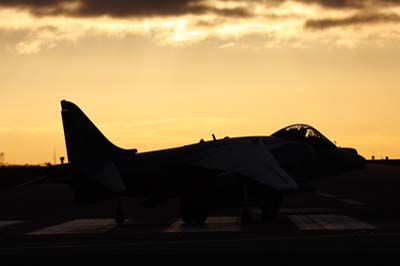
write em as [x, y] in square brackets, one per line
[228, 172]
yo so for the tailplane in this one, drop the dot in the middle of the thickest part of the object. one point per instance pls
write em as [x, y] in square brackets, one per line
[83, 140]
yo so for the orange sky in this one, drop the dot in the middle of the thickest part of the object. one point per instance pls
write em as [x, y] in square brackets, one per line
[164, 77]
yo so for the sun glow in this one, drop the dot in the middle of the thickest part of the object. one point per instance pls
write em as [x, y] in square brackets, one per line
[155, 80]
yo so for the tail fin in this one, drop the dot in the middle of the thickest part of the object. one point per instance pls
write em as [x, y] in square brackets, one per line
[83, 140]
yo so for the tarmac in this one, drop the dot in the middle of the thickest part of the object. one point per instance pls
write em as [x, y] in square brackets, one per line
[353, 213]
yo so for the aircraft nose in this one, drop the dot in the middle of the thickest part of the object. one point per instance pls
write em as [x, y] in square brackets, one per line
[360, 161]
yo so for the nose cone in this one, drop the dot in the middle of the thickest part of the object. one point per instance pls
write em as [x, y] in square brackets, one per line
[359, 162]
[353, 160]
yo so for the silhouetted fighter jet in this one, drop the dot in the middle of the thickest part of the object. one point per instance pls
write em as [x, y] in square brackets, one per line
[228, 172]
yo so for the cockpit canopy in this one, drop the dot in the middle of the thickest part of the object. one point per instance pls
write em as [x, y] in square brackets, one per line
[305, 133]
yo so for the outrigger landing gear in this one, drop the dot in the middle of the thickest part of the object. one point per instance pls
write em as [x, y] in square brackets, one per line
[245, 215]
[270, 208]
[120, 217]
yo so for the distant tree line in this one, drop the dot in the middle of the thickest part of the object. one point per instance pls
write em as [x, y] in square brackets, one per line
[12, 175]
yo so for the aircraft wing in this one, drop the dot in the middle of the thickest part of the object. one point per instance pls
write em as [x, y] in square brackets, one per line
[251, 159]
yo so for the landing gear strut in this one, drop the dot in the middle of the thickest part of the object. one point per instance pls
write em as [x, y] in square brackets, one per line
[194, 209]
[120, 217]
[271, 205]
[194, 200]
[245, 215]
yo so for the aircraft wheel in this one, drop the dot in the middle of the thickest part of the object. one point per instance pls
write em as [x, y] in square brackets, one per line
[120, 219]
[195, 199]
[193, 210]
[245, 217]
[271, 207]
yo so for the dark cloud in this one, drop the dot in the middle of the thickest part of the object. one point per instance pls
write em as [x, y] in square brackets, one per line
[148, 8]
[121, 8]
[355, 4]
[338, 3]
[37, 3]
[352, 20]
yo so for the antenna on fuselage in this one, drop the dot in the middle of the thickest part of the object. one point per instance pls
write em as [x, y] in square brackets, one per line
[214, 138]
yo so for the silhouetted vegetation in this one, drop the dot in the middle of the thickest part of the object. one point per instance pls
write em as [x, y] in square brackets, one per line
[12, 175]
[395, 162]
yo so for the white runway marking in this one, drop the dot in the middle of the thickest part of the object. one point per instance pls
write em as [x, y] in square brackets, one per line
[328, 222]
[344, 200]
[226, 223]
[78, 226]
[255, 210]
[9, 222]
[340, 222]
[325, 195]
[304, 210]
[352, 202]
[296, 210]
[304, 222]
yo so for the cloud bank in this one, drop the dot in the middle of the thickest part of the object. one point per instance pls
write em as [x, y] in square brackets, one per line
[127, 8]
[121, 8]
[295, 23]
[368, 18]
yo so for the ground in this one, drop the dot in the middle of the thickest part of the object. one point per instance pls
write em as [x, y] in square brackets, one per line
[356, 212]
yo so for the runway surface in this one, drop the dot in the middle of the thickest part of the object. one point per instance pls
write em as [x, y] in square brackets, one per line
[352, 213]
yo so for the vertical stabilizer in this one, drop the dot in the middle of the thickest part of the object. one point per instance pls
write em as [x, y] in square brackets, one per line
[83, 140]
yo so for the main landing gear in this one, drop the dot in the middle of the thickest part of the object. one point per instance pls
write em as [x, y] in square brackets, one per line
[195, 199]
[245, 216]
[194, 209]
[120, 217]
[271, 205]
[269, 210]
